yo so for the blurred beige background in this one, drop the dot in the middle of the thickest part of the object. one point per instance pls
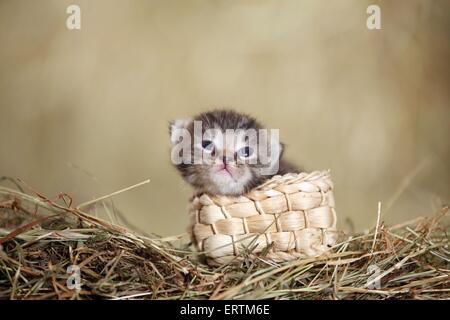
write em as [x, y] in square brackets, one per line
[86, 112]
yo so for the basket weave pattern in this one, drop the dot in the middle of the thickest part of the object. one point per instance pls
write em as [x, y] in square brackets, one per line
[288, 217]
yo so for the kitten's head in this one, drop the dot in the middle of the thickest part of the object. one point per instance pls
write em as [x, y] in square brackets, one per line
[223, 152]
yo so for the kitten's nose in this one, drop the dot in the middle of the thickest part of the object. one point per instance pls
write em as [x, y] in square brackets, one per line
[226, 159]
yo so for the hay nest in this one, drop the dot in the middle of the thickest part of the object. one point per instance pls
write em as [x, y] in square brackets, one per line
[288, 217]
[42, 241]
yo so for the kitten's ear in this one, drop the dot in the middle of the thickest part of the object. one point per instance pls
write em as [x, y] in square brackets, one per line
[175, 128]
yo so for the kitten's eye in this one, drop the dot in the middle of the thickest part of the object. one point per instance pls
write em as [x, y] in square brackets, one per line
[245, 152]
[207, 145]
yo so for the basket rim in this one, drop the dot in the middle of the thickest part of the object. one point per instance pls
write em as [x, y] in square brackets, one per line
[317, 181]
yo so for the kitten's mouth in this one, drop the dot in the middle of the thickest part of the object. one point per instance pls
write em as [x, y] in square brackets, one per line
[225, 170]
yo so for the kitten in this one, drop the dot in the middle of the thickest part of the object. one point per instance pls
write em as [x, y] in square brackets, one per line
[230, 161]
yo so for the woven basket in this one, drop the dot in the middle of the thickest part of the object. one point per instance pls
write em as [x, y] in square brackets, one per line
[288, 217]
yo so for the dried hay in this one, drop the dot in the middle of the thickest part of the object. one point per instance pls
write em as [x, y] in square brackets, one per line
[41, 238]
